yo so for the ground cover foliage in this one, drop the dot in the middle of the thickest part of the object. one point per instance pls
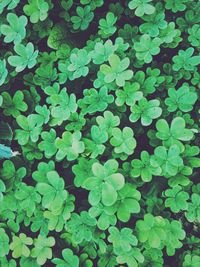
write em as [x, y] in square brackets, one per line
[100, 98]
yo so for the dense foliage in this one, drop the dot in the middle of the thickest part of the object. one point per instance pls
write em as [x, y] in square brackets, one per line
[100, 101]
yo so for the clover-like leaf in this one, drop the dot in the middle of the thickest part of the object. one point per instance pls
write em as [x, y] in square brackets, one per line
[146, 110]
[4, 243]
[185, 60]
[174, 133]
[26, 57]
[48, 143]
[19, 245]
[79, 62]
[142, 7]
[83, 18]
[15, 31]
[104, 183]
[69, 146]
[69, 259]
[36, 10]
[122, 240]
[30, 130]
[127, 202]
[14, 106]
[144, 168]
[53, 191]
[123, 141]
[117, 71]
[42, 249]
[176, 199]
[151, 230]
[81, 226]
[193, 211]
[147, 47]
[102, 52]
[168, 159]
[129, 94]
[183, 99]
[107, 26]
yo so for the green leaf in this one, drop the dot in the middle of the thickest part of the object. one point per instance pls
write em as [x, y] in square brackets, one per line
[182, 99]
[151, 230]
[36, 10]
[20, 244]
[83, 18]
[107, 183]
[69, 146]
[53, 192]
[193, 211]
[147, 47]
[15, 31]
[142, 7]
[185, 60]
[123, 141]
[106, 26]
[48, 143]
[117, 71]
[146, 110]
[14, 106]
[4, 243]
[3, 71]
[69, 259]
[81, 226]
[26, 57]
[123, 240]
[176, 199]
[42, 249]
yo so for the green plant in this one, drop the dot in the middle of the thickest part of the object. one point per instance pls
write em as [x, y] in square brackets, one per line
[104, 183]
[151, 230]
[146, 110]
[147, 47]
[129, 95]
[4, 239]
[36, 10]
[52, 191]
[81, 226]
[20, 244]
[122, 240]
[42, 249]
[191, 260]
[3, 71]
[30, 130]
[14, 106]
[117, 70]
[185, 60]
[194, 35]
[168, 159]
[78, 64]
[193, 211]
[142, 7]
[26, 57]
[69, 259]
[127, 202]
[15, 32]
[82, 21]
[106, 26]
[175, 133]
[69, 146]
[144, 167]
[182, 99]
[176, 199]
[99, 133]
